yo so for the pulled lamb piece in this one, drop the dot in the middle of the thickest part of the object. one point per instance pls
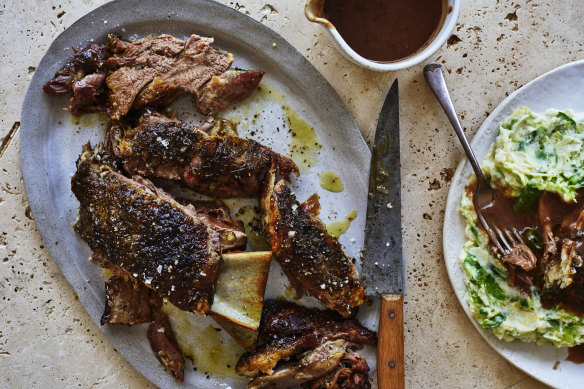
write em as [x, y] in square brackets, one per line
[548, 217]
[565, 270]
[314, 364]
[86, 61]
[82, 75]
[311, 258]
[127, 301]
[155, 71]
[87, 92]
[351, 373]
[144, 231]
[165, 346]
[562, 227]
[266, 356]
[318, 343]
[521, 256]
[219, 166]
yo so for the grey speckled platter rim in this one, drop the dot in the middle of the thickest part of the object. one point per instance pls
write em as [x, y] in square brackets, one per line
[118, 13]
[557, 87]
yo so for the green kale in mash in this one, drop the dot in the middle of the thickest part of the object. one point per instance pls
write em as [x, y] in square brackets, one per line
[539, 151]
[532, 153]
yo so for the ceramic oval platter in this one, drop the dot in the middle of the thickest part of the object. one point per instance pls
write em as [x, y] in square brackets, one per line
[51, 143]
[561, 88]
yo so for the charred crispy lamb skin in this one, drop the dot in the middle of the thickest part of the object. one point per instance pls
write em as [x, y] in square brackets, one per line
[145, 232]
[288, 330]
[282, 318]
[312, 259]
[129, 301]
[219, 166]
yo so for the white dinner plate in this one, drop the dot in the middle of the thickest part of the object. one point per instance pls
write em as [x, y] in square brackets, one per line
[561, 88]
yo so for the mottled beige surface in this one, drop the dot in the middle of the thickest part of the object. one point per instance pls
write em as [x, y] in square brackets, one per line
[47, 339]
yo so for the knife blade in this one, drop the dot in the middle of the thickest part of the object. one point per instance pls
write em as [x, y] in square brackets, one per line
[383, 268]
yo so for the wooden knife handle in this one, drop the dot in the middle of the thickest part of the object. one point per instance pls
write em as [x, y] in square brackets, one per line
[390, 344]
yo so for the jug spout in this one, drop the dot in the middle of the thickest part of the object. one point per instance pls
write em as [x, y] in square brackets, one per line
[314, 11]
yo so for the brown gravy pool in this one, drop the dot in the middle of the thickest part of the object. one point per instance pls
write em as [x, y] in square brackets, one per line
[576, 354]
[386, 30]
[550, 207]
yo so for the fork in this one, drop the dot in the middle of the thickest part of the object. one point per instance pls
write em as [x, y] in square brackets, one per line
[506, 241]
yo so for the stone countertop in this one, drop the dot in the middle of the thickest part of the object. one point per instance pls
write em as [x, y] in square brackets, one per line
[48, 340]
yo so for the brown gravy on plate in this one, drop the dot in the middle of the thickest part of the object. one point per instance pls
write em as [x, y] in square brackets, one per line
[544, 207]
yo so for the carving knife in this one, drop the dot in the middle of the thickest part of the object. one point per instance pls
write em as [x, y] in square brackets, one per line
[383, 267]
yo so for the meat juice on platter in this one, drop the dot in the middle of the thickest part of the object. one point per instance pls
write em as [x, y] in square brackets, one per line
[386, 30]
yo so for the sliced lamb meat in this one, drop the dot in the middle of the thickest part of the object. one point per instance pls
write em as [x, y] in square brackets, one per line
[192, 68]
[312, 259]
[229, 88]
[155, 71]
[124, 85]
[158, 94]
[288, 330]
[214, 165]
[151, 72]
[315, 364]
[145, 232]
[165, 346]
[135, 64]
